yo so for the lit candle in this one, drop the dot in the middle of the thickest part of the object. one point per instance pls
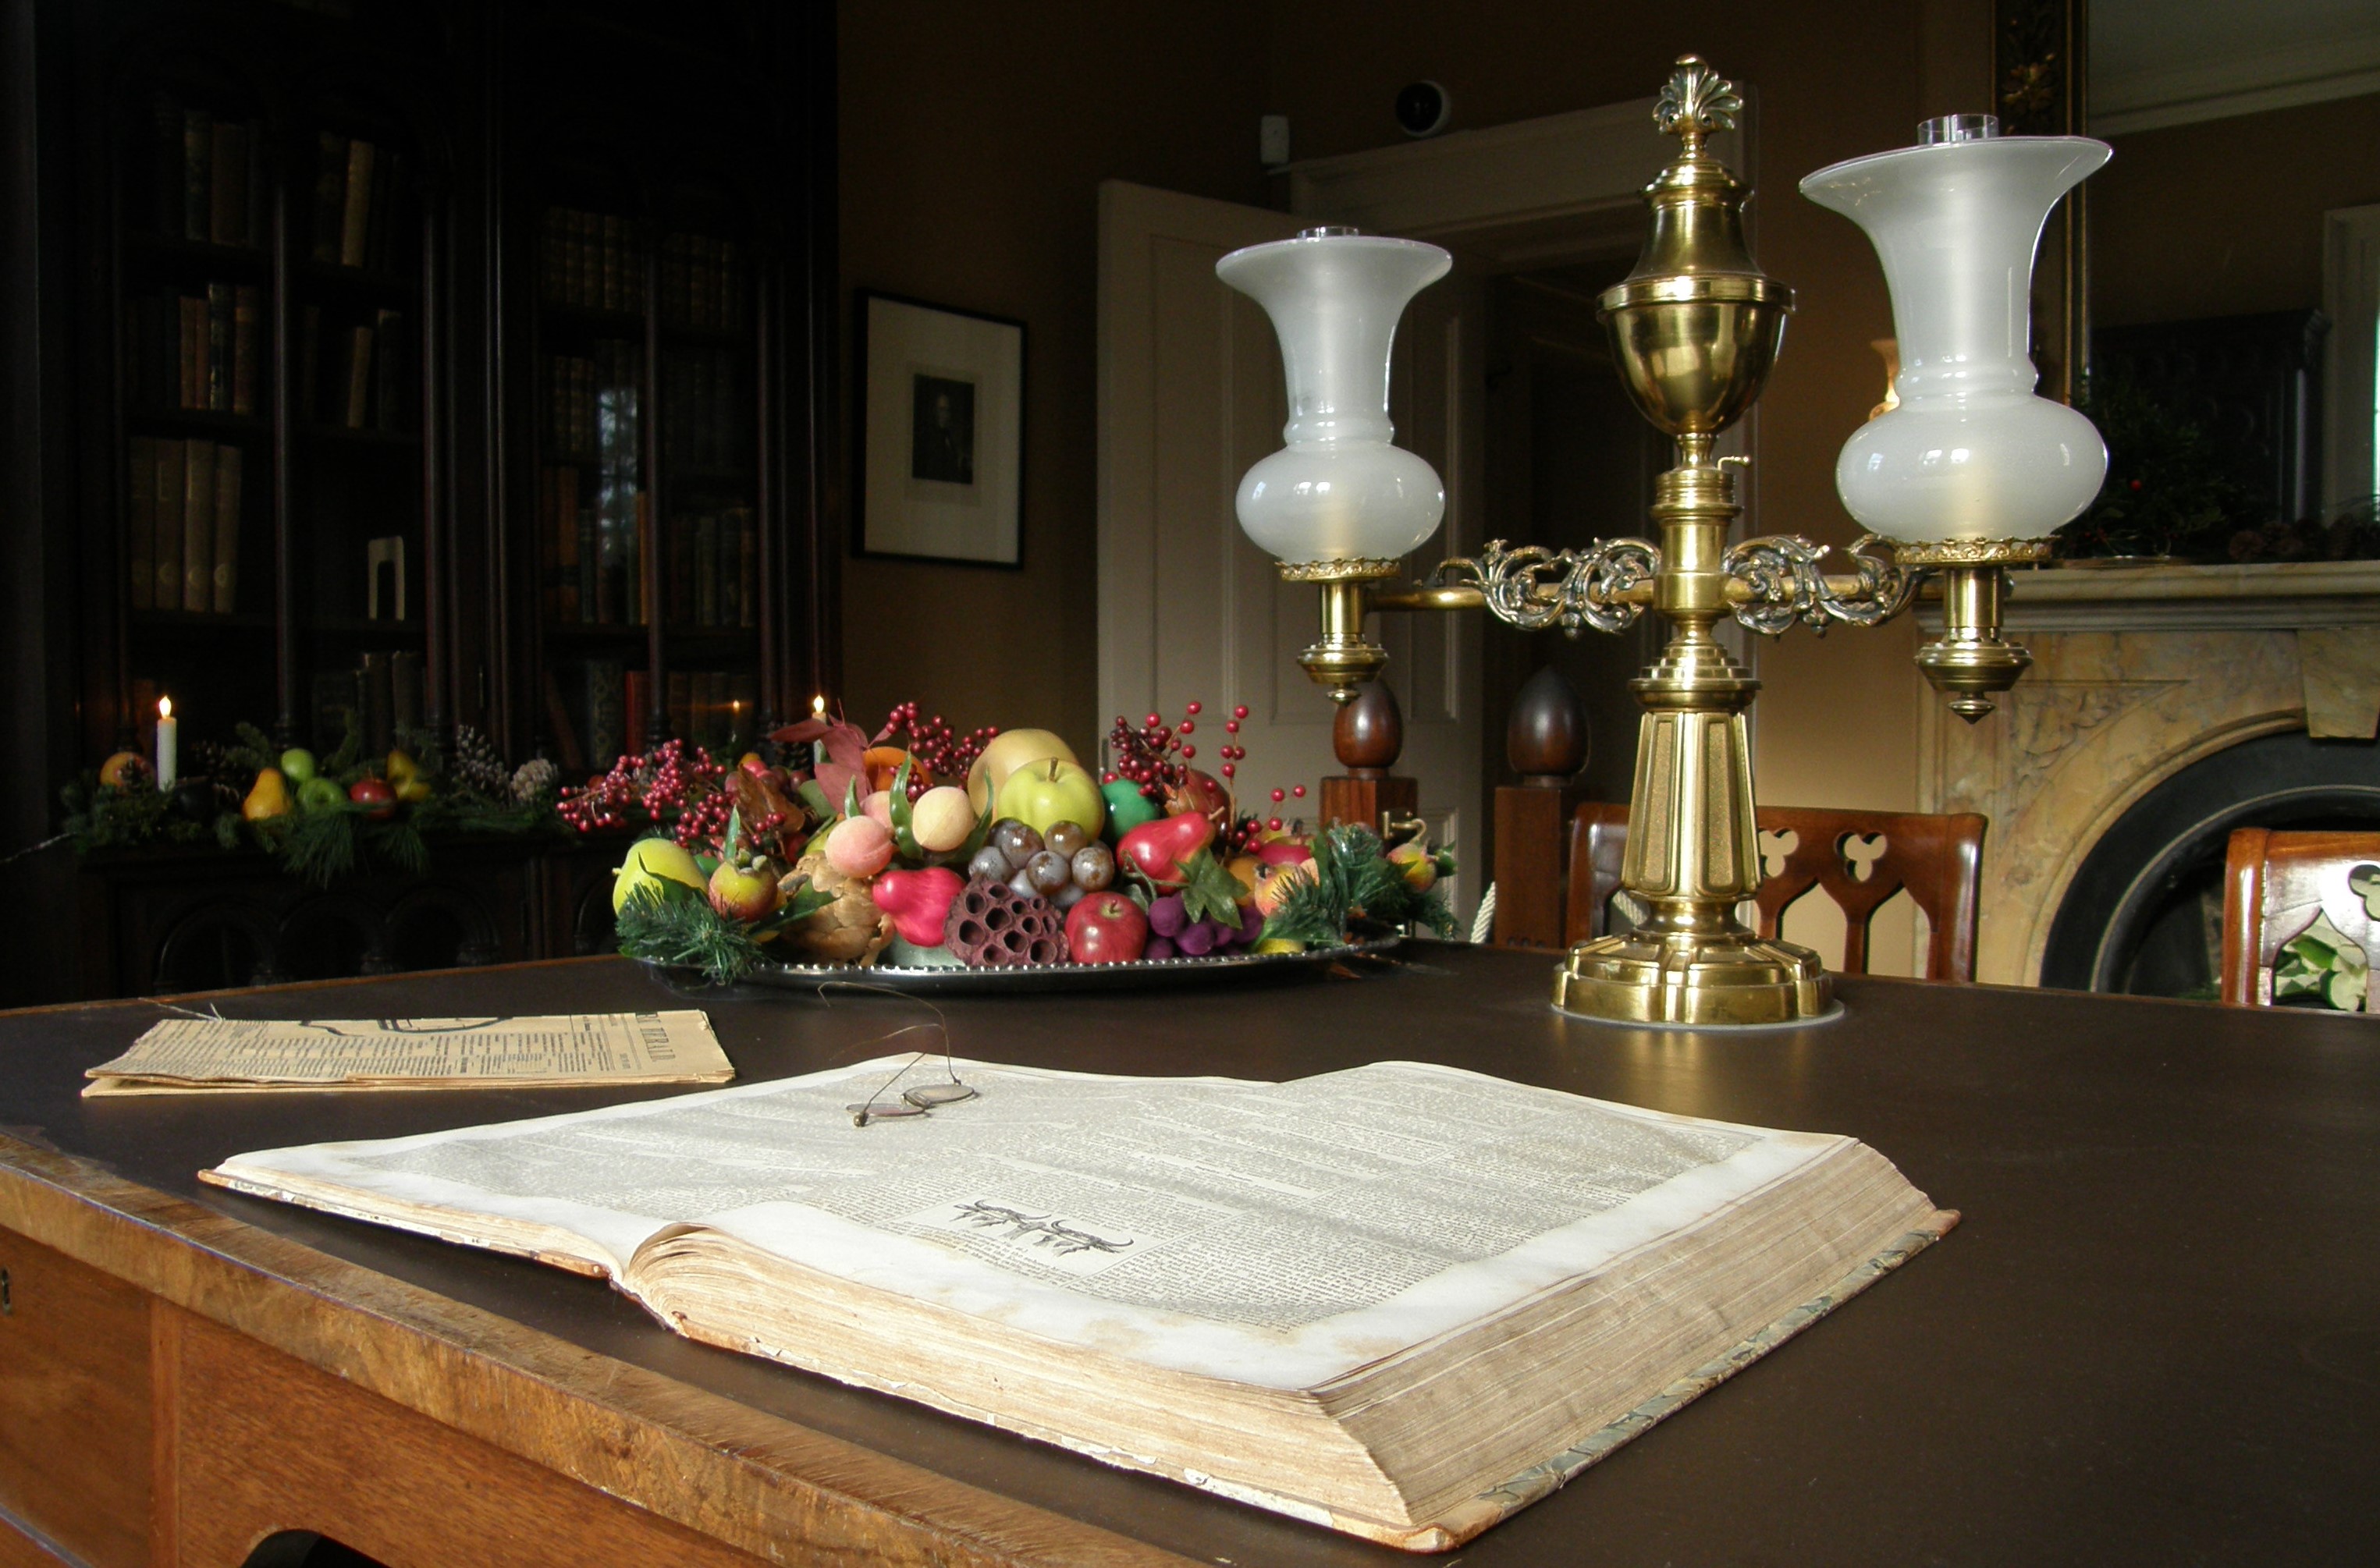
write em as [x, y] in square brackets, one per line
[166, 738]
[818, 747]
[734, 723]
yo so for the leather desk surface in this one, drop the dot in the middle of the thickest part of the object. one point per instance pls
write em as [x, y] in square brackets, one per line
[2155, 1337]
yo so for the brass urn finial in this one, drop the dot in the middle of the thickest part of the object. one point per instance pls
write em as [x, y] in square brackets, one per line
[1695, 101]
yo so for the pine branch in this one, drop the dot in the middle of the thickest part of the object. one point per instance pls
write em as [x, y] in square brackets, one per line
[681, 930]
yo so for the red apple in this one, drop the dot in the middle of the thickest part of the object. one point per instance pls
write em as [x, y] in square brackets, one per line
[1107, 928]
[375, 793]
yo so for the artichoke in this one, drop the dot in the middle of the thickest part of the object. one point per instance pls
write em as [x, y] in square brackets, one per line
[851, 929]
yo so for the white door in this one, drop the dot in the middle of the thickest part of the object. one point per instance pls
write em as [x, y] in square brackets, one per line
[1190, 394]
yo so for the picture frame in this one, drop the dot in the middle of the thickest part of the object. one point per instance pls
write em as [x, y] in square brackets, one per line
[940, 433]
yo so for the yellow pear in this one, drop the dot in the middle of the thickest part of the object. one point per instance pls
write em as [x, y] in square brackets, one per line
[651, 861]
[268, 797]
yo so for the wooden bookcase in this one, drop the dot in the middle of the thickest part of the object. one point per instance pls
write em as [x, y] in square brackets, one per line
[523, 308]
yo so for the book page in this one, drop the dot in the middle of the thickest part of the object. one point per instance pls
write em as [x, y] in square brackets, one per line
[185, 1055]
[1271, 1233]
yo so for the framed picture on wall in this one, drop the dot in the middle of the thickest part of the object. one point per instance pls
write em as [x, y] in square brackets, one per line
[942, 433]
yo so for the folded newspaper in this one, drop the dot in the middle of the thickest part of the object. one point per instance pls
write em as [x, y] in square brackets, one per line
[186, 1056]
[1401, 1301]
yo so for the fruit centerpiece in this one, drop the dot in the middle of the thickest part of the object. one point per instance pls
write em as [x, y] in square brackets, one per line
[320, 818]
[921, 849]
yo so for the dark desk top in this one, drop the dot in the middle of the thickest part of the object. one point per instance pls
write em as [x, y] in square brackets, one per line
[2155, 1337]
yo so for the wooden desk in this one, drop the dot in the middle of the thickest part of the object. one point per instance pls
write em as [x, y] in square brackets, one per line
[2156, 1337]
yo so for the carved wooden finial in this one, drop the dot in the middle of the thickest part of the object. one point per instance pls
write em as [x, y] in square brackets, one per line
[1547, 738]
[1369, 732]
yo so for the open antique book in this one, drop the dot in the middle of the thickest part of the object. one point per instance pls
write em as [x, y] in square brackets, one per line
[1401, 1300]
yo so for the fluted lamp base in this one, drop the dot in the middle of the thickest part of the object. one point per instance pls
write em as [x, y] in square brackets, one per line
[1694, 981]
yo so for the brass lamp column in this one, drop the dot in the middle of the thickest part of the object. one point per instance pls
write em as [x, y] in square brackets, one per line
[1696, 329]
[1967, 476]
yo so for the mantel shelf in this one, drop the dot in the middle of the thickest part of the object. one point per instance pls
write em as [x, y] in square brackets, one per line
[2272, 594]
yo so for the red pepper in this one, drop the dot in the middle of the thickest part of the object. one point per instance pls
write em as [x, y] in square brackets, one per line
[1157, 850]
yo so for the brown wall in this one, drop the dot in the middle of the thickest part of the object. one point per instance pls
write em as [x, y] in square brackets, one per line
[972, 147]
[1837, 724]
[974, 139]
[2224, 217]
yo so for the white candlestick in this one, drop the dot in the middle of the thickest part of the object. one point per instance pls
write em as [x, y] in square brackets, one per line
[167, 747]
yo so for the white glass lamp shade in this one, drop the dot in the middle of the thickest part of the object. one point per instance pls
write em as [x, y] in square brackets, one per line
[1972, 452]
[1338, 491]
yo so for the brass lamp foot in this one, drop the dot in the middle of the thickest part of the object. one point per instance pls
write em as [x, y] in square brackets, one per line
[1702, 981]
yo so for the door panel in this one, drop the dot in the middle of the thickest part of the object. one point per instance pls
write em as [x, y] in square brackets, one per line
[1190, 395]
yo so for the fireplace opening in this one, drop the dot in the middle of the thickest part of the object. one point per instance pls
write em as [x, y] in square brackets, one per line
[2144, 913]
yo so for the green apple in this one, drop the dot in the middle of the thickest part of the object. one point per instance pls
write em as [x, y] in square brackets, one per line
[297, 764]
[319, 793]
[1009, 750]
[1049, 790]
[1127, 807]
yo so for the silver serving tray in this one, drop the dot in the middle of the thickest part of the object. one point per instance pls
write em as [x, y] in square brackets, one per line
[1043, 979]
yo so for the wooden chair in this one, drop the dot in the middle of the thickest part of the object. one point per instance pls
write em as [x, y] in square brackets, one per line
[2276, 885]
[1937, 859]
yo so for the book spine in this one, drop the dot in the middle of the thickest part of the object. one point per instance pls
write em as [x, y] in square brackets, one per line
[198, 166]
[355, 217]
[557, 716]
[358, 389]
[173, 459]
[218, 362]
[706, 570]
[380, 233]
[246, 320]
[309, 364]
[681, 569]
[189, 386]
[747, 568]
[227, 183]
[605, 712]
[613, 245]
[260, 220]
[567, 542]
[330, 195]
[229, 462]
[405, 692]
[198, 527]
[681, 705]
[590, 563]
[140, 521]
[636, 698]
[387, 399]
[165, 170]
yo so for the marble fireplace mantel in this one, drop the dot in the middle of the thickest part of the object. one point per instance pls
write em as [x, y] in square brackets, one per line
[2138, 673]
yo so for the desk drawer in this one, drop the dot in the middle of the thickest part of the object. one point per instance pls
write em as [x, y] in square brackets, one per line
[74, 1404]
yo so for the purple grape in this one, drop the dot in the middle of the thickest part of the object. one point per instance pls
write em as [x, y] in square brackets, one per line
[1198, 940]
[1166, 917]
[1158, 947]
[1251, 926]
[1049, 871]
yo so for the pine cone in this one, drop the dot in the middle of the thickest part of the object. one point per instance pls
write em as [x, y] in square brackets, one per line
[992, 925]
[852, 930]
[477, 765]
[535, 780]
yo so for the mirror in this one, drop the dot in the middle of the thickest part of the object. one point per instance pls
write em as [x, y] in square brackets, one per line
[2227, 269]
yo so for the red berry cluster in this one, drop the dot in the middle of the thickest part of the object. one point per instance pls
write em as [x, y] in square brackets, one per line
[676, 785]
[1153, 756]
[939, 749]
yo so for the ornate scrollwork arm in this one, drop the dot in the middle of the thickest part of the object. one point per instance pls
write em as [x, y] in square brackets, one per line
[1533, 588]
[1787, 581]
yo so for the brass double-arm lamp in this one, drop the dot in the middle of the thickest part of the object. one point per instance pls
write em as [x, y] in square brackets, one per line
[1967, 477]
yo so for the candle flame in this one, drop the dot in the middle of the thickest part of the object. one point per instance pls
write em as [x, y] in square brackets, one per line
[817, 706]
[164, 707]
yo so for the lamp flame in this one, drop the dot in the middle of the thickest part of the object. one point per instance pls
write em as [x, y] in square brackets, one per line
[164, 707]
